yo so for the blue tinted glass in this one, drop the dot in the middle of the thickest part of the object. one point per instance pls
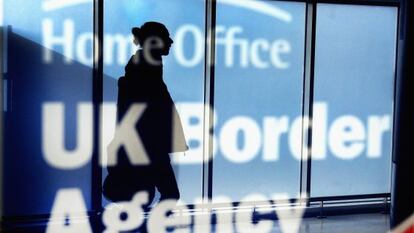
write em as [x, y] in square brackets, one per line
[258, 98]
[354, 81]
[49, 80]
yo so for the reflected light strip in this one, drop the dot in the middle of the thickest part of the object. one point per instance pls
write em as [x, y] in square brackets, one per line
[51, 5]
[260, 7]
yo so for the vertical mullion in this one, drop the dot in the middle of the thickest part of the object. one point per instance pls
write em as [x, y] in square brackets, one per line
[2, 38]
[402, 194]
[305, 99]
[210, 28]
[311, 96]
[397, 68]
[97, 93]
[308, 100]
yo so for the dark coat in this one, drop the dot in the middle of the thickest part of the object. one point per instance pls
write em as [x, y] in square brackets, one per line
[160, 126]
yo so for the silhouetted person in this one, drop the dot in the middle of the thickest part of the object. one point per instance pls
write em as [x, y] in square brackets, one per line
[159, 127]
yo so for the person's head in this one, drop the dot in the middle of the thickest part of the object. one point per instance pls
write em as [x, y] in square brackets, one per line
[153, 37]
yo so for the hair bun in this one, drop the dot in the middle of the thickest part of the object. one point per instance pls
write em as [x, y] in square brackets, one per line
[136, 31]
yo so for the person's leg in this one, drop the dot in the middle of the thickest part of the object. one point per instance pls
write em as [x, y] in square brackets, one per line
[165, 181]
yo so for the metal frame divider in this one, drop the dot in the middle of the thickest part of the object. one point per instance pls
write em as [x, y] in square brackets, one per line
[209, 77]
[98, 11]
[307, 102]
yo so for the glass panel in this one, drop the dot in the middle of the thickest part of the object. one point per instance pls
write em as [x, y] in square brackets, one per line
[182, 72]
[258, 99]
[48, 112]
[354, 82]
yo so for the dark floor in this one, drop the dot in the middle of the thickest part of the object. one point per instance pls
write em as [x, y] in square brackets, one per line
[362, 223]
[367, 223]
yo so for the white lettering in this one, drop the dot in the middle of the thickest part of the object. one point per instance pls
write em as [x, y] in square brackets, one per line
[346, 137]
[273, 129]
[291, 218]
[66, 40]
[124, 47]
[319, 130]
[83, 55]
[377, 126]
[159, 220]
[180, 45]
[126, 135]
[229, 139]
[257, 45]
[280, 47]
[125, 216]
[53, 141]
[296, 141]
[239, 140]
[69, 205]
